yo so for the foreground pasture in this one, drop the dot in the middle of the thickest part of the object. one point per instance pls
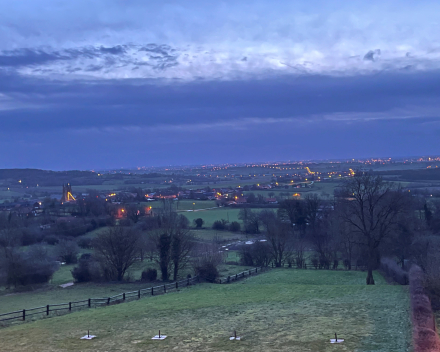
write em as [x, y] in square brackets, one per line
[281, 310]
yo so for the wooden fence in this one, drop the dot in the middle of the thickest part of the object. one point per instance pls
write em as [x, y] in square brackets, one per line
[63, 308]
[242, 275]
[56, 309]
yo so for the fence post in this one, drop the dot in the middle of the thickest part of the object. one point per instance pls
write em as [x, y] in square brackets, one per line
[236, 276]
[70, 306]
[152, 291]
[108, 301]
[256, 270]
[187, 284]
[47, 310]
[177, 285]
[249, 273]
[123, 296]
[229, 278]
[90, 302]
[24, 314]
[164, 289]
[139, 294]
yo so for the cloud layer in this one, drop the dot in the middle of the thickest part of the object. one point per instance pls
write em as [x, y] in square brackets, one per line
[226, 40]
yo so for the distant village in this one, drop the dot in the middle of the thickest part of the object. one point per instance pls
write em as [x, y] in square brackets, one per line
[68, 203]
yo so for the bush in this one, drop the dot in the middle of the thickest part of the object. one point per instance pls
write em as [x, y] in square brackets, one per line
[234, 226]
[84, 242]
[424, 330]
[87, 270]
[30, 237]
[394, 271]
[67, 251]
[219, 225]
[27, 268]
[208, 272]
[149, 275]
[51, 239]
[199, 222]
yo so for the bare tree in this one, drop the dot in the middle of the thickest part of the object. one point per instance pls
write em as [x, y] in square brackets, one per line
[279, 236]
[372, 210]
[117, 250]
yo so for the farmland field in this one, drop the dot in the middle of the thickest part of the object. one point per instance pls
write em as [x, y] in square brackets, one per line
[281, 310]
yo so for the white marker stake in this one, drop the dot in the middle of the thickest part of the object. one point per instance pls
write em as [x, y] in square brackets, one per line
[159, 337]
[235, 337]
[88, 336]
[336, 340]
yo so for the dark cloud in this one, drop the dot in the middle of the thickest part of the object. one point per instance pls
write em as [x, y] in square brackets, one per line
[149, 122]
[372, 55]
[25, 57]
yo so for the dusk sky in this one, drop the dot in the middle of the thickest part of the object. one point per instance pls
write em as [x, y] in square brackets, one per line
[111, 83]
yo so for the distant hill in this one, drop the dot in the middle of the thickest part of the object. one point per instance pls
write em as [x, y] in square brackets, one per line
[32, 177]
[414, 175]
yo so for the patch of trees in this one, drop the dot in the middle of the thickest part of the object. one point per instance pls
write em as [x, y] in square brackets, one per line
[370, 219]
[173, 244]
[18, 267]
[223, 225]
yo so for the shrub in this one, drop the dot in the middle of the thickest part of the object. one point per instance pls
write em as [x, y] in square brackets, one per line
[30, 237]
[51, 239]
[149, 275]
[199, 222]
[84, 242]
[27, 268]
[425, 336]
[208, 272]
[219, 225]
[67, 251]
[394, 271]
[234, 226]
[87, 270]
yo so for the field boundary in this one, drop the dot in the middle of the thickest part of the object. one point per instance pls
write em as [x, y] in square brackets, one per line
[63, 308]
[68, 307]
[425, 337]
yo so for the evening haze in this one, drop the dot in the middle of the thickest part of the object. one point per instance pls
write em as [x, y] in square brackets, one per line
[108, 84]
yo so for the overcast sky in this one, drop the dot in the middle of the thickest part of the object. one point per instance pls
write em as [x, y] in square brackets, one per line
[113, 83]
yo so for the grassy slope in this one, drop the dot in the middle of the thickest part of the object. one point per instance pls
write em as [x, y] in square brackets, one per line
[283, 310]
[52, 294]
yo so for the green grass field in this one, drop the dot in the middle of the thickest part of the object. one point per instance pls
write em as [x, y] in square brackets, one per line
[211, 215]
[53, 294]
[281, 310]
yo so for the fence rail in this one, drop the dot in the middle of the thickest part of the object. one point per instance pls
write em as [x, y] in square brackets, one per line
[22, 315]
[45, 311]
[242, 275]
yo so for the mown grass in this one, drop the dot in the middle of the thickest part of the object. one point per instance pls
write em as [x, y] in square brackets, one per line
[282, 310]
